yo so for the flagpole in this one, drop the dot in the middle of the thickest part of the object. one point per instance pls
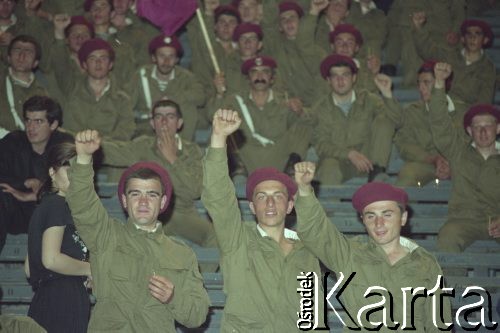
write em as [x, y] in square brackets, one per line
[207, 41]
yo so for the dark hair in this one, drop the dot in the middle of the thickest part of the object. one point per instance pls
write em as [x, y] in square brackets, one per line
[162, 103]
[343, 64]
[58, 156]
[145, 174]
[26, 39]
[44, 103]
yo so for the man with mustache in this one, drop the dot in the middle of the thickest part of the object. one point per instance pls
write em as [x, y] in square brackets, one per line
[273, 131]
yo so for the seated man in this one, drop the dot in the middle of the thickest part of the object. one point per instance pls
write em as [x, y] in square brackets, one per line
[386, 260]
[260, 263]
[144, 281]
[474, 73]
[272, 131]
[473, 210]
[353, 136]
[23, 162]
[423, 162]
[182, 160]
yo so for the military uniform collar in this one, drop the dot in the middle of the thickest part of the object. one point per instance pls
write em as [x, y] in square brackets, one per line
[450, 104]
[353, 98]
[154, 74]
[13, 21]
[467, 62]
[270, 98]
[365, 9]
[289, 234]
[137, 230]
[21, 83]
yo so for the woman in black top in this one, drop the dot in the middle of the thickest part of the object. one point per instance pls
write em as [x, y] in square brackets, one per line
[56, 263]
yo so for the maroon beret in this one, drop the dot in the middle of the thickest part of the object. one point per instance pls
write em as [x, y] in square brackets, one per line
[481, 109]
[88, 4]
[156, 168]
[257, 61]
[349, 29]
[485, 27]
[377, 191]
[428, 67]
[79, 20]
[262, 174]
[92, 45]
[226, 10]
[336, 59]
[290, 5]
[244, 28]
[163, 40]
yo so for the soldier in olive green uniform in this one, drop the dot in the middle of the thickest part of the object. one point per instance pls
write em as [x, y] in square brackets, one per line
[353, 136]
[260, 262]
[182, 160]
[164, 79]
[423, 162]
[475, 168]
[18, 82]
[474, 74]
[135, 266]
[97, 102]
[386, 260]
[20, 324]
[272, 130]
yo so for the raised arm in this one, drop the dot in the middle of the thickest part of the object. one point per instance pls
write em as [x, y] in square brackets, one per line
[313, 226]
[218, 194]
[90, 217]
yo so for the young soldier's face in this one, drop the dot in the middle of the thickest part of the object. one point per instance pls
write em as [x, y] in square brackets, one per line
[425, 83]
[249, 44]
[37, 127]
[6, 8]
[474, 39]
[341, 80]
[484, 130]
[22, 57]
[383, 221]
[143, 201]
[289, 23]
[270, 203]
[78, 35]
[165, 59]
[100, 11]
[261, 77]
[345, 44]
[166, 117]
[225, 26]
[250, 10]
[337, 9]
[98, 64]
[121, 6]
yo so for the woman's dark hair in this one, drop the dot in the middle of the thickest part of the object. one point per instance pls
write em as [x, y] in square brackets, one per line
[57, 156]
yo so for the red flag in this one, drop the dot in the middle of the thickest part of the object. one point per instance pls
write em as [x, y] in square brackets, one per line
[169, 15]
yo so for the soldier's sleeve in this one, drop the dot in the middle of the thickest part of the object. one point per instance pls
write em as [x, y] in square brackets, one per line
[188, 169]
[408, 149]
[457, 14]
[319, 234]
[445, 136]
[91, 218]
[427, 48]
[219, 197]
[487, 91]
[190, 302]
[121, 153]
[394, 111]
[125, 126]
[442, 313]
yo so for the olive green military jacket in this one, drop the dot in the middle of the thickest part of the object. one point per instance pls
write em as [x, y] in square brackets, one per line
[184, 89]
[185, 172]
[123, 259]
[336, 134]
[414, 139]
[111, 115]
[20, 95]
[138, 33]
[474, 83]
[373, 28]
[260, 283]
[368, 260]
[476, 182]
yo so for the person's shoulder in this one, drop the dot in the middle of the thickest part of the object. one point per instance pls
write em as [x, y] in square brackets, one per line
[181, 250]
[14, 137]
[60, 136]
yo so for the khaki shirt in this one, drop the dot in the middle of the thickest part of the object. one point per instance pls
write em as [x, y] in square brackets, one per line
[370, 263]
[123, 258]
[260, 283]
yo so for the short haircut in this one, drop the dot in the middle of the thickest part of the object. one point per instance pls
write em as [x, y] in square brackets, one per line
[144, 174]
[26, 39]
[44, 103]
[162, 103]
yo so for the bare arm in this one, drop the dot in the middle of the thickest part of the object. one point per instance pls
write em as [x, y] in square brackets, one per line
[54, 260]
